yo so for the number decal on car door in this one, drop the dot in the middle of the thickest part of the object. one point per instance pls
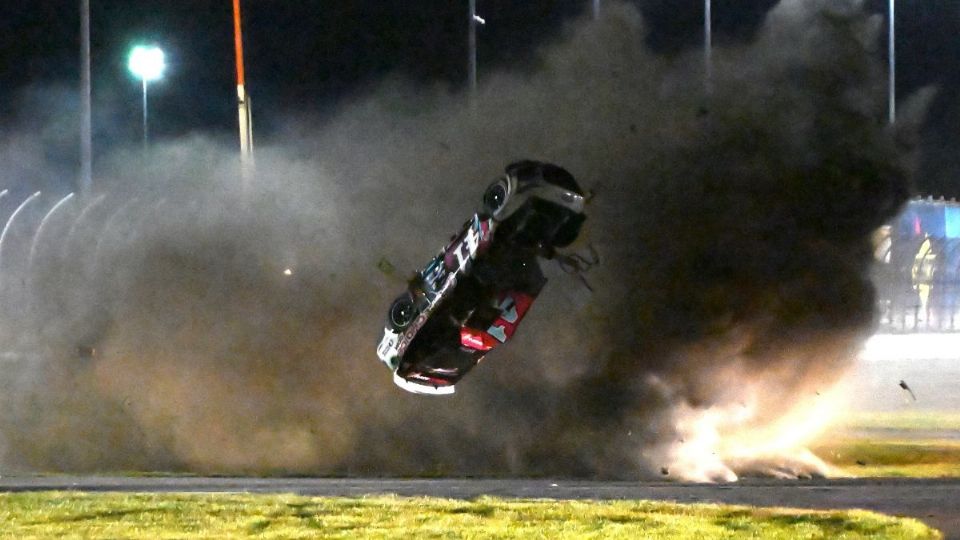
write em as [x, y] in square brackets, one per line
[508, 314]
[508, 310]
[499, 332]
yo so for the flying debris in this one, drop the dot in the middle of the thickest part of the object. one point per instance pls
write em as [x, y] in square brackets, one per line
[907, 390]
[473, 294]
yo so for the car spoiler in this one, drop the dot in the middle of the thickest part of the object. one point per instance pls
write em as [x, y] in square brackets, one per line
[422, 388]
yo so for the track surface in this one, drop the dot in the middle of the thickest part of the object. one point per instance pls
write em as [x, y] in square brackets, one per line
[935, 501]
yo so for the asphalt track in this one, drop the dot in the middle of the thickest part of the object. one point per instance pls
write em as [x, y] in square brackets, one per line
[934, 501]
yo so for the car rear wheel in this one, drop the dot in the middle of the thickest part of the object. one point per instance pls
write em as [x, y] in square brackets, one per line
[495, 197]
[402, 312]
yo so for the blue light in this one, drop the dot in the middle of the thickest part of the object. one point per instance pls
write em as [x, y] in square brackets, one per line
[952, 218]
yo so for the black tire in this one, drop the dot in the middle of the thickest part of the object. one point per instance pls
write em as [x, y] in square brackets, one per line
[402, 312]
[530, 171]
[559, 176]
[569, 232]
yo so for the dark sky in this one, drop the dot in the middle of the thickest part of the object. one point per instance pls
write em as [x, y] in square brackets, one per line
[311, 54]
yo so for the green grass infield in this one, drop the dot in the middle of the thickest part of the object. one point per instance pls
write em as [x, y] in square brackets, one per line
[906, 443]
[136, 516]
[893, 458]
[901, 420]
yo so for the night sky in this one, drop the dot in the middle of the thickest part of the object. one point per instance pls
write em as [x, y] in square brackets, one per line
[311, 56]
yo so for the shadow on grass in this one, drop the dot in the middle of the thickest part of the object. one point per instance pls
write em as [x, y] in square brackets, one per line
[480, 510]
[259, 526]
[832, 524]
[88, 516]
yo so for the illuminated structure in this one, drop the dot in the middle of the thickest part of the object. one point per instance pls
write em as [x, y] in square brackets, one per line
[918, 269]
[147, 64]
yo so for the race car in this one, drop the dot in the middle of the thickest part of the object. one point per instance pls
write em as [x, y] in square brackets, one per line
[473, 294]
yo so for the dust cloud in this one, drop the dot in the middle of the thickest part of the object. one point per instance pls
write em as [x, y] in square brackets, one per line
[733, 228]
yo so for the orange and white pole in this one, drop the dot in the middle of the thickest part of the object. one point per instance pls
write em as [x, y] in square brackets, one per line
[243, 103]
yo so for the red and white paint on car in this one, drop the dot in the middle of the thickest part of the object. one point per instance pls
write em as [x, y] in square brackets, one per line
[513, 305]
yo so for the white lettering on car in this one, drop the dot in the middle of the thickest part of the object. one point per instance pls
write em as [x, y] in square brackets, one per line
[467, 250]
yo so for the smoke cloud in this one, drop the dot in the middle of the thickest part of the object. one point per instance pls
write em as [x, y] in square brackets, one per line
[733, 229]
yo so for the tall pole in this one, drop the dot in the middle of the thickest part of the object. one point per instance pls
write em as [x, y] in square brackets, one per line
[892, 54]
[472, 45]
[86, 144]
[708, 46]
[145, 131]
[596, 9]
[243, 99]
[147, 63]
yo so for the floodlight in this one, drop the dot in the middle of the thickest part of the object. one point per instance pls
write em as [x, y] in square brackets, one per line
[147, 63]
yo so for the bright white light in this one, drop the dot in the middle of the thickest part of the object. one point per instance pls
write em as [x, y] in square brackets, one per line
[146, 63]
[479, 19]
[288, 272]
[911, 347]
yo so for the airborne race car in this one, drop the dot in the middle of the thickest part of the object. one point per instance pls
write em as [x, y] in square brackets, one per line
[473, 294]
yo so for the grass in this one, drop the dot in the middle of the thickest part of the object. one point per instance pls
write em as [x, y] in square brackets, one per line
[896, 444]
[902, 420]
[139, 516]
[901, 458]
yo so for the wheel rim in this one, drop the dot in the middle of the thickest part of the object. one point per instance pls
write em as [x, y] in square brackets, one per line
[495, 197]
[402, 312]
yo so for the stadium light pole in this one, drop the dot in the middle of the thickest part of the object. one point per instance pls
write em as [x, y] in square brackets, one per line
[86, 144]
[892, 72]
[708, 46]
[474, 20]
[147, 64]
